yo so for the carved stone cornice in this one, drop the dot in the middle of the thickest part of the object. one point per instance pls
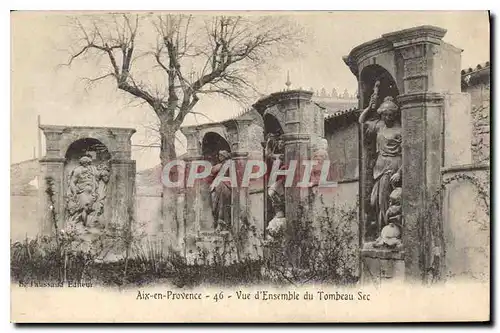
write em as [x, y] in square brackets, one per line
[283, 96]
[378, 45]
[63, 128]
[239, 154]
[288, 137]
[52, 160]
[121, 161]
[391, 41]
[422, 34]
[192, 158]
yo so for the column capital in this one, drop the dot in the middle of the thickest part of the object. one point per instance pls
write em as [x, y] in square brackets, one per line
[288, 137]
[122, 161]
[193, 158]
[239, 154]
[52, 160]
[407, 101]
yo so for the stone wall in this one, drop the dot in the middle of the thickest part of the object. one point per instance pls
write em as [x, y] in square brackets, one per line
[466, 223]
[479, 91]
[343, 145]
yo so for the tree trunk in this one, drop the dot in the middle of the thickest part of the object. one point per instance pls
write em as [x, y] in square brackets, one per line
[169, 224]
[167, 148]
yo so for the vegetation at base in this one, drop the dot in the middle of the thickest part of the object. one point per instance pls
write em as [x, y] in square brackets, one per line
[322, 249]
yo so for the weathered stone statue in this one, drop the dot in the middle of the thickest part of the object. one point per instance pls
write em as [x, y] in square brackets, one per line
[274, 145]
[220, 195]
[385, 128]
[276, 193]
[101, 192]
[82, 192]
[390, 236]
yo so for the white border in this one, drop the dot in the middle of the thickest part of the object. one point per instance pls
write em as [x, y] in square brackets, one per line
[183, 5]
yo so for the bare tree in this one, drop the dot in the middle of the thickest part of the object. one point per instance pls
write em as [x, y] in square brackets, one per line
[192, 56]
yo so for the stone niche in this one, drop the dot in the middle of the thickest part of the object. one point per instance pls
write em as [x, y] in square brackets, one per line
[214, 219]
[91, 175]
[297, 123]
[421, 75]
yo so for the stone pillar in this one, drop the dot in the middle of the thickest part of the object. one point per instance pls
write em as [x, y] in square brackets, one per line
[53, 168]
[190, 224]
[422, 158]
[122, 180]
[298, 135]
[246, 143]
[297, 148]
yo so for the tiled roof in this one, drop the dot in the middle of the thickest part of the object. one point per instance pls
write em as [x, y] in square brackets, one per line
[341, 113]
[479, 67]
[474, 76]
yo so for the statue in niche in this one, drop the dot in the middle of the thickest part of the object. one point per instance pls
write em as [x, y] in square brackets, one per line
[86, 192]
[390, 236]
[276, 193]
[385, 129]
[220, 194]
[274, 151]
[101, 192]
[274, 145]
[82, 191]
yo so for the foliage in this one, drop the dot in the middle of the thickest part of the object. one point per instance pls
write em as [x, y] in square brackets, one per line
[321, 250]
[435, 246]
[170, 61]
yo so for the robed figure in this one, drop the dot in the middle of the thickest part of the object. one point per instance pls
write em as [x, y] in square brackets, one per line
[385, 128]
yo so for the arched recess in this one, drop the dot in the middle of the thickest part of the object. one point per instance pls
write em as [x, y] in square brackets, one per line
[367, 144]
[211, 144]
[277, 115]
[272, 125]
[87, 146]
[99, 154]
[369, 75]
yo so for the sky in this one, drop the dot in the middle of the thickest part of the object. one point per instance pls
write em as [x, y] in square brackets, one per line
[41, 86]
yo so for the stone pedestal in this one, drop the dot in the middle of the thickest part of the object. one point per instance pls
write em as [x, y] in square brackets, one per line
[381, 266]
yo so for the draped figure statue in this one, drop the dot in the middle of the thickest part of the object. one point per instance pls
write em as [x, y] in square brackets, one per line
[386, 130]
[81, 194]
[220, 195]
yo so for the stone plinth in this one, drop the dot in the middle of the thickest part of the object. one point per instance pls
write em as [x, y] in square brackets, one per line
[379, 266]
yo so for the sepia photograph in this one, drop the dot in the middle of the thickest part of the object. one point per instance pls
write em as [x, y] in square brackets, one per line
[257, 166]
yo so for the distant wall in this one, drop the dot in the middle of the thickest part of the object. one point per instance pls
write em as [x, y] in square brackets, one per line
[343, 150]
[148, 213]
[23, 217]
